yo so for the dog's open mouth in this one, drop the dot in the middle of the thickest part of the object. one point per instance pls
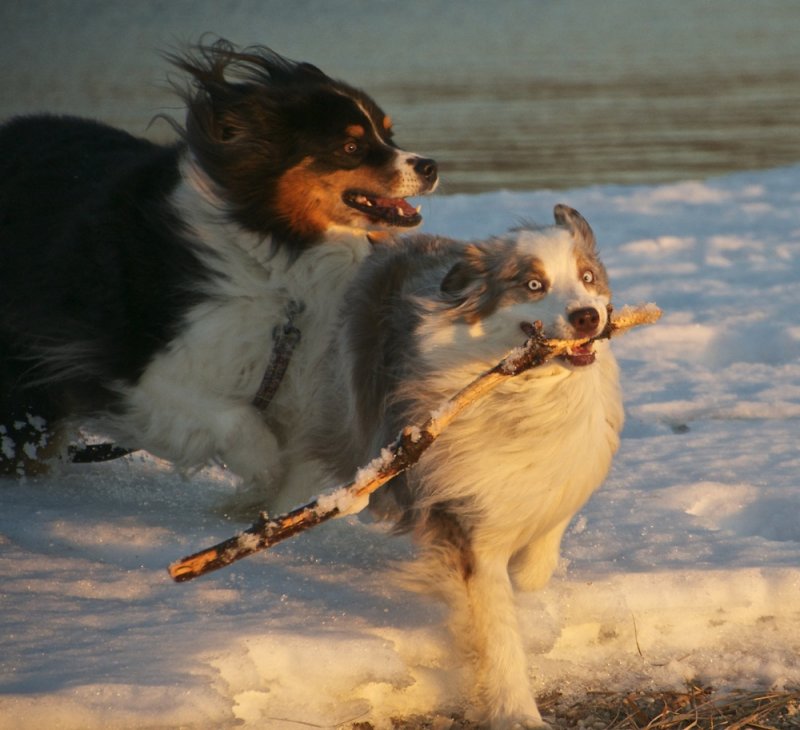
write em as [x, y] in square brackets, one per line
[581, 355]
[389, 211]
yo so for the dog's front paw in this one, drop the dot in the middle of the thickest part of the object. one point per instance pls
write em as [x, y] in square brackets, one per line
[520, 722]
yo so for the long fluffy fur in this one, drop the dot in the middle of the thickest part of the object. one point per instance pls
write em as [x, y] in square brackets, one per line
[490, 500]
[140, 285]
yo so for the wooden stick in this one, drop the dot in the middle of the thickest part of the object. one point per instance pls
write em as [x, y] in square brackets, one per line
[399, 456]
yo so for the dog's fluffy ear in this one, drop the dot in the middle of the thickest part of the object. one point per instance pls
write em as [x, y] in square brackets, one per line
[576, 224]
[466, 279]
[457, 281]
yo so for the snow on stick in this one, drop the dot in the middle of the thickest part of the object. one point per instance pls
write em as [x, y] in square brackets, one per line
[399, 456]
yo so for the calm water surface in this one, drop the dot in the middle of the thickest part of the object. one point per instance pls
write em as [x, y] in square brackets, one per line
[514, 94]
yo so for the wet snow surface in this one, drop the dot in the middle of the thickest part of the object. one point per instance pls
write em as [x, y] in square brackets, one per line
[685, 565]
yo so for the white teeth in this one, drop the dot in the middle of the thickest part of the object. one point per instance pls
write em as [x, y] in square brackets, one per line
[400, 210]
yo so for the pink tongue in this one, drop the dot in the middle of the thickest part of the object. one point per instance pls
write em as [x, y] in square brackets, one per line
[395, 203]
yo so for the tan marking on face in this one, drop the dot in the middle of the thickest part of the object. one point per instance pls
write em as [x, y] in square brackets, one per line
[600, 284]
[304, 208]
[371, 120]
[311, 203]
[355, 130]
[387, 122]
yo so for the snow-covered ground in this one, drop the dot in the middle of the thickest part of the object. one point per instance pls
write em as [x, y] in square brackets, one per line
[685, 565]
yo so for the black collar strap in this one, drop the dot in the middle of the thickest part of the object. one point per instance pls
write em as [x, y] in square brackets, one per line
[285, 339]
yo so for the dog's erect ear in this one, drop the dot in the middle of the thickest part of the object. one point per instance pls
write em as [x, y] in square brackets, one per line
[576, 224]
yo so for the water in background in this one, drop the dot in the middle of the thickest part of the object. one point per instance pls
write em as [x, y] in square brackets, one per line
[520, 94]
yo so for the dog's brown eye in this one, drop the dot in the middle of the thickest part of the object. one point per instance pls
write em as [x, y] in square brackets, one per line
[588, 276]
[535, 285]
[350, 147]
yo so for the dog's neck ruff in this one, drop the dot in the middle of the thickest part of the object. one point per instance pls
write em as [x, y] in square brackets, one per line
[205, 209]
[251, 270]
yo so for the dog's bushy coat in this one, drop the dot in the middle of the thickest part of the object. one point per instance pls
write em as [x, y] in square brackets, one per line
[490, 500]
[140, 284]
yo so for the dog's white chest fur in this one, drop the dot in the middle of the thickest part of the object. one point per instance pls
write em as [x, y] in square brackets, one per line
[196, 396]
[531, 453]
[514, 469]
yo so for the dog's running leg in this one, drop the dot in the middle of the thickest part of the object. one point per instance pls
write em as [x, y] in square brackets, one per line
[191, 426]
[533, 566]
[250, 449]
[501, 664]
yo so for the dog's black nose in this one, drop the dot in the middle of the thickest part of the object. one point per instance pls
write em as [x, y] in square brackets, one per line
[585, 321]
[426, 169]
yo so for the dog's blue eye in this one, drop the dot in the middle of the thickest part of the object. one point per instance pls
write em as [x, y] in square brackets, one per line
[588, 276]
[535, 285]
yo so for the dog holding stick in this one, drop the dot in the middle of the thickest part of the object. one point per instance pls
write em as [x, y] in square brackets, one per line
[489, 501]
